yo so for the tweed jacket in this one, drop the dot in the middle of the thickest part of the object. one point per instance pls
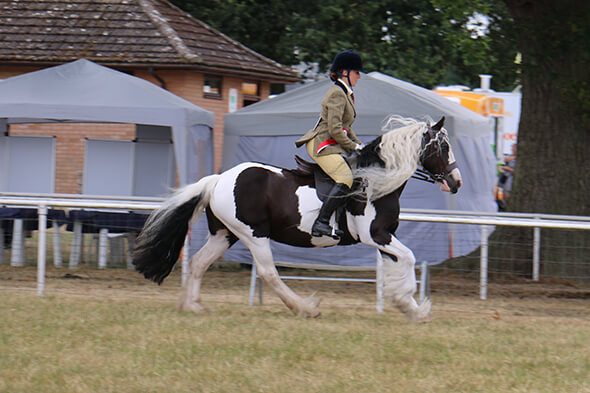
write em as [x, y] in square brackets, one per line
[337, 114]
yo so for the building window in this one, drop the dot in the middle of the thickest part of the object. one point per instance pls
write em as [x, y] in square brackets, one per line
[212, 87]
[251, 92]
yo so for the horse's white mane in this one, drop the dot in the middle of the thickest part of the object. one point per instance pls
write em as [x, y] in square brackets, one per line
[400, 149]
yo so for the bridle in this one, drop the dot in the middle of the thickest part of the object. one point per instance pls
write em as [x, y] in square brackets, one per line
[429, 177]
[424, 174]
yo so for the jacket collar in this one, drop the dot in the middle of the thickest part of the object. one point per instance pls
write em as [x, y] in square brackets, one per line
[348, 91]
[344, 86]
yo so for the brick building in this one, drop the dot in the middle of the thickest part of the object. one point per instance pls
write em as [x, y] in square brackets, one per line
[149, 39]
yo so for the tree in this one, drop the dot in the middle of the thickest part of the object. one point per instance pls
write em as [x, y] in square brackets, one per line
[553, 161]
[412, 40]
[260, 25]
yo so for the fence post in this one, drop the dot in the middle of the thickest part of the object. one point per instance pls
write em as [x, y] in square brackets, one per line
[41, 249]
[379, 278]
[253, 277]
[483, 272]
[536, 253]
[76, 248]
[423, 280]
[17, 257]
[103, 245]
[57, 260]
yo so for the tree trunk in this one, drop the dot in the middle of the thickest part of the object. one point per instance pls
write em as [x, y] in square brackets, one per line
[552, 173]
[553, 158]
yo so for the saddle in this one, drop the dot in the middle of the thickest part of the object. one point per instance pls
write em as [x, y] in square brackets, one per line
[323, 182]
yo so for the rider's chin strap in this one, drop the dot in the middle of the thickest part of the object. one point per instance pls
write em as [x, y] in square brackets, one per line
[347, 78]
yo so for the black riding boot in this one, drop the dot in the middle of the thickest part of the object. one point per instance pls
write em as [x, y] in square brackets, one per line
[335, 198]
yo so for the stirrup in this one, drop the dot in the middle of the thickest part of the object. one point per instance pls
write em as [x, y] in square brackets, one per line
[320, 229]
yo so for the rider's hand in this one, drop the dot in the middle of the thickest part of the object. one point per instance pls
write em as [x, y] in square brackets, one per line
[359, 147]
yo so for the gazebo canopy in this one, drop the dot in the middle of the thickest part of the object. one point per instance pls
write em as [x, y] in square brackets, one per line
[83, 91]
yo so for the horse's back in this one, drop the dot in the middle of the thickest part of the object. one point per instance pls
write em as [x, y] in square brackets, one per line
[243, 185]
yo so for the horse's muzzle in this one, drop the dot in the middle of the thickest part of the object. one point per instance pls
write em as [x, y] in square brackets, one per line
[453, 180]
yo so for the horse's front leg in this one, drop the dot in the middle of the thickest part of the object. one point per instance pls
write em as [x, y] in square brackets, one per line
[260, 249]
[399, 276]
[217, 244]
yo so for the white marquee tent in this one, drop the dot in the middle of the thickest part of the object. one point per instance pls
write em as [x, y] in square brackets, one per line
[84, 92]
[266, 132]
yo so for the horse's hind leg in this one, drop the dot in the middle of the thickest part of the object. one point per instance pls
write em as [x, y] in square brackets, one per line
[260, 249]
[190, 299]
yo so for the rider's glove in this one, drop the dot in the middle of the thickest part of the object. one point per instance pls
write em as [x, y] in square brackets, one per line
[359, 147]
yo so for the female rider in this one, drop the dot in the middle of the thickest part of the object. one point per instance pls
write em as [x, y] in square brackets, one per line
[333, 136]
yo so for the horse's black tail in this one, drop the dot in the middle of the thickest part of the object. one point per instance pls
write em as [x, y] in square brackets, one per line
[158, 246]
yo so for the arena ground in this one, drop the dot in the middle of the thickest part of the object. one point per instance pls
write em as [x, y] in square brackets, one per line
[450, 292]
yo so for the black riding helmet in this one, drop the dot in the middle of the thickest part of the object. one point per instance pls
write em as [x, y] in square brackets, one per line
[347, 60]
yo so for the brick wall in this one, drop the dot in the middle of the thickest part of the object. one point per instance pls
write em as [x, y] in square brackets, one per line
[70, 137]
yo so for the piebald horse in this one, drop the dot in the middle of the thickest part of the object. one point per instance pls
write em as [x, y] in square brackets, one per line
[255, 202]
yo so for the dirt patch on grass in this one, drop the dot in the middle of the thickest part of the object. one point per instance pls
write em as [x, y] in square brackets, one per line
[452, 294]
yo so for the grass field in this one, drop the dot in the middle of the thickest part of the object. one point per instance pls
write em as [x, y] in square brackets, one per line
[99, 331]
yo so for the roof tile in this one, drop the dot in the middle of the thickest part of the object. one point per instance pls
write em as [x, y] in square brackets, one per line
[150, 32]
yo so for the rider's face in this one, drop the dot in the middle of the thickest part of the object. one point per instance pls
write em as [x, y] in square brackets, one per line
[353, 75]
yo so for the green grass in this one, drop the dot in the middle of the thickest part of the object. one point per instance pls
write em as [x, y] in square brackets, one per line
[67, 343]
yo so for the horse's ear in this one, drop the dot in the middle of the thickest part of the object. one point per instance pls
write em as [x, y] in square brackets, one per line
[439, 125]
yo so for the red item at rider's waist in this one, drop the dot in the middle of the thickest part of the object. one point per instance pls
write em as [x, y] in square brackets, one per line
[329, 142]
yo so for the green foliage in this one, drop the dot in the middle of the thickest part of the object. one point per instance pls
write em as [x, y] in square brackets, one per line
[426, 42]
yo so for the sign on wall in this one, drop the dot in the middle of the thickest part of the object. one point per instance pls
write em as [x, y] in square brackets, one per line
[127, 168]
[27, 164]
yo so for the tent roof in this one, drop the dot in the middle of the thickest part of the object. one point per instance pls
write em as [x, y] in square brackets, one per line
[377, 96]
[84, 91]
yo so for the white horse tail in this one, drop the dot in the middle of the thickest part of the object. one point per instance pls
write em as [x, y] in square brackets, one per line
[158, 246]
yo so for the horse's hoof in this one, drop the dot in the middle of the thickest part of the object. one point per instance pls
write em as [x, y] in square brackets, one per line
[422, 313]
[310, 314]
[193, 307]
